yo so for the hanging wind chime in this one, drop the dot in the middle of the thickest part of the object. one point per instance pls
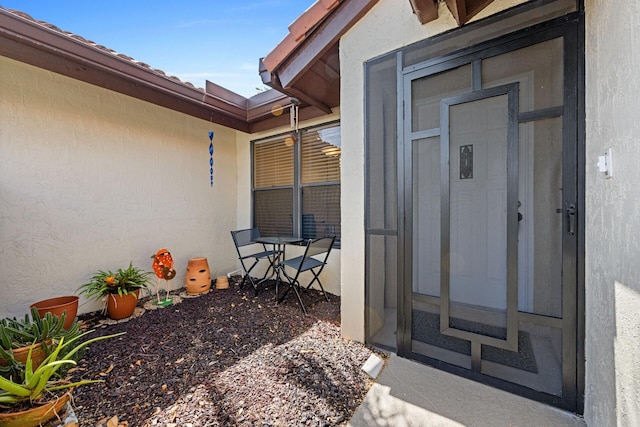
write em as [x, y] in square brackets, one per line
[211, 156]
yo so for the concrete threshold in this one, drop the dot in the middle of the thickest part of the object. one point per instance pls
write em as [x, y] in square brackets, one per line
[407, 393]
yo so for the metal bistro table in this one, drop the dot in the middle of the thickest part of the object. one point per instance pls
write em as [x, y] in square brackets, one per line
[278, 243]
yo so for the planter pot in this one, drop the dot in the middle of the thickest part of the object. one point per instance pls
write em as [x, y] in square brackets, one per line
[20, 354]
[198, 279]
[35, 416]
[122, 306]
[222, 282]
[57, 306]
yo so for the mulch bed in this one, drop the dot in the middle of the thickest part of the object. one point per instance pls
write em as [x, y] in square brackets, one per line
[225, 358]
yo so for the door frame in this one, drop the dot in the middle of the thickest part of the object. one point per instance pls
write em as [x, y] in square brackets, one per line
[572, 323]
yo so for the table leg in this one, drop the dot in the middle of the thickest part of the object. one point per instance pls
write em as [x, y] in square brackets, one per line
[280, 256]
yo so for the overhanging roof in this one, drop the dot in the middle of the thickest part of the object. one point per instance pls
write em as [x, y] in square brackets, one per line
[43, 45]
[304, 65]
[462, 10]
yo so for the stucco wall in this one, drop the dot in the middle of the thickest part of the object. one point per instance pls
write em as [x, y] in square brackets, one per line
[390, 25]
[91, 179]
[613, 214]
[330, 276]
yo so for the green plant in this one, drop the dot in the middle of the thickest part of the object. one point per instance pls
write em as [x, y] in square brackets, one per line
[15, 334]
[122, 282]
[30, 386]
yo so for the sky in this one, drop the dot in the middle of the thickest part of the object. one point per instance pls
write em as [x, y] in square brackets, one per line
[194, 40]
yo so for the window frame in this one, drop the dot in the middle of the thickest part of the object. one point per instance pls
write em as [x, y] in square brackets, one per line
[297, 186]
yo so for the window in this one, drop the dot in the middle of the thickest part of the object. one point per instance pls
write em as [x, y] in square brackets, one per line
[296, 183]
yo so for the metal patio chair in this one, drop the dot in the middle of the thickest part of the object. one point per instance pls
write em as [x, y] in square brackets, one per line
[247, 237]
[314, 259]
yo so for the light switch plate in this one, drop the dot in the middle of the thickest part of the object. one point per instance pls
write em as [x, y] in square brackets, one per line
[605, 163]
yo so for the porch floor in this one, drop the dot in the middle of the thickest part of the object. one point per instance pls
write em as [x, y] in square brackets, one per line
[408, 393]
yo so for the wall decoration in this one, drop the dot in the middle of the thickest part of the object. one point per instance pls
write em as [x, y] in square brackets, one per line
[466, 162]
[163, 267]
[211, 156]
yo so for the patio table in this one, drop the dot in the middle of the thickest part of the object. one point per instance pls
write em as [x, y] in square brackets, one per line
[279, 243]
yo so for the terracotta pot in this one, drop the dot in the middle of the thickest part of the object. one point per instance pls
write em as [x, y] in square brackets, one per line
[198, 279]
[35, 416]
[57, 306]
[222, 282]
[20, 354]
[122, 306]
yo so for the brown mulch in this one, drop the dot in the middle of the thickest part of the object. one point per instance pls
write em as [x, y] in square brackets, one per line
[225, 358]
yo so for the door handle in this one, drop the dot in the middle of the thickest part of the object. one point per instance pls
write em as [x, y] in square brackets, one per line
[520, 217]
[571, 218]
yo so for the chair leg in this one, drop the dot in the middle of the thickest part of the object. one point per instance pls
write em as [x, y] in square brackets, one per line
[317, 279]
[244, 279]
[278, 280]
[295, 290]
[273, 267]
[293, 284]
[248, 276]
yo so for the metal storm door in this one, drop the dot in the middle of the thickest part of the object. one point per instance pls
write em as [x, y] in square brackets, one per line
[489, 193]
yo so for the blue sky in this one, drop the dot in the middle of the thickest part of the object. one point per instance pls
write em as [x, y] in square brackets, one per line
[195, 40]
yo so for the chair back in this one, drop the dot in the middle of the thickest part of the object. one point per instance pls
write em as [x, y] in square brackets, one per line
[319, 246]
[245, 237]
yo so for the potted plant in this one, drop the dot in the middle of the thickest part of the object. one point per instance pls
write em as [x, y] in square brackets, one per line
[58, 305]
[31, 397]
[33, 333]
[121, 289]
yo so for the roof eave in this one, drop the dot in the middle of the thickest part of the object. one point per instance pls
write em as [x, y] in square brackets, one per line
[29, 42]
[293, 59]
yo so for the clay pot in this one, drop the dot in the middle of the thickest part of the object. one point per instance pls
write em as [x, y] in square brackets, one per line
[57, 306]
[122, 306]
[222, 282]
[20, 354]
[37, 415]
[198, 278]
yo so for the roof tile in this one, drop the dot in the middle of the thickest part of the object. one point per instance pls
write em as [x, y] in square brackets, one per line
[97, 46]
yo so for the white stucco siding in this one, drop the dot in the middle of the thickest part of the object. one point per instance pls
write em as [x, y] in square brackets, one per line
[390, 25]
[613, 214]
[91, 179]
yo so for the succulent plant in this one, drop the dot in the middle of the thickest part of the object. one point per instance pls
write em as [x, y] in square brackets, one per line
[30, 385]
[47, 331]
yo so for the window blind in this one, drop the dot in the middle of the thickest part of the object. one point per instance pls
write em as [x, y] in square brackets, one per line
[273, 163]
[321, 155]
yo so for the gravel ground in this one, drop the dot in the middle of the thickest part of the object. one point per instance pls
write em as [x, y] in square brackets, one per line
[225, 358]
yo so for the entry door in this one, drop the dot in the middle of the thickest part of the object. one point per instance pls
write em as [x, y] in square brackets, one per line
[490, 235]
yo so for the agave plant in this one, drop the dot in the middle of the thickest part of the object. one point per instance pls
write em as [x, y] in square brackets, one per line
[30, 386]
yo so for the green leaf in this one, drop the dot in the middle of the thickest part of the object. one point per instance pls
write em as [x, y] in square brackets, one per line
[13, 388]
[76, 384]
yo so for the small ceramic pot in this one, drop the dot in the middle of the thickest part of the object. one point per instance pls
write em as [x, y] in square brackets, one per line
[222, 282]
